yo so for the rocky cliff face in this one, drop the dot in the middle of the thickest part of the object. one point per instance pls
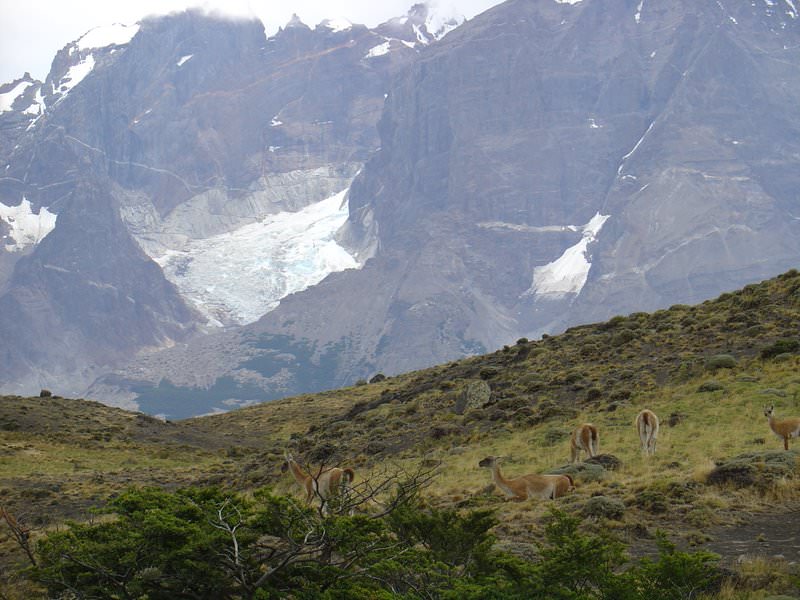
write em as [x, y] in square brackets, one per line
[551, 163]
[145, 139]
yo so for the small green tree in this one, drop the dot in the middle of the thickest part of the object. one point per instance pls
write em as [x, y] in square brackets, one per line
[676, 575]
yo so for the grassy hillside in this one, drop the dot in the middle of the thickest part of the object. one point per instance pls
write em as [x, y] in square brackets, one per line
[706, 370]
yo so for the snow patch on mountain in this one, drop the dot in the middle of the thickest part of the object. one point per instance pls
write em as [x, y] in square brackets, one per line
[27, 227]
[109, 35]
[379, 50]
[236, 277]
[182, 60]
[568, 273]
[8, 98]
[440, 22]
[75, 75]
[336, 25]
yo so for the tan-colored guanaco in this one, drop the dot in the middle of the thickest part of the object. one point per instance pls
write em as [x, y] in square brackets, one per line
[324, 484]
[546, 487]
[783, 428]
[585, 438]
[647, 426]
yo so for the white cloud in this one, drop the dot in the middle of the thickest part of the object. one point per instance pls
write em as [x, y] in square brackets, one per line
[32, 32]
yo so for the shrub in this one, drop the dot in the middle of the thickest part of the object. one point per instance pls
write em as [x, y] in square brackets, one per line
[602, 506]
[652, 501]
[678, 575]
[780, 347]
[593, 394]
[711, 386]
[623, 337]
[720, 361]
[207, 543]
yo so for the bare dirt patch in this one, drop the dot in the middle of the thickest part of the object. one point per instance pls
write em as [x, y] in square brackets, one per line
[766, 535]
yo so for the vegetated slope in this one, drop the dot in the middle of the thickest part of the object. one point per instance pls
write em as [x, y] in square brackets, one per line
[600, 367]
[706, 369]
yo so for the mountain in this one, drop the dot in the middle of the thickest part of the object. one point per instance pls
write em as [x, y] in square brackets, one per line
[147, 147]
[545, 164]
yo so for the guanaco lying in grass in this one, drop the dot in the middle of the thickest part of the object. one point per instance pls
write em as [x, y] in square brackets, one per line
[783, 428]
[647, 426]
[546, 487]
[325, 483]
[585, 438]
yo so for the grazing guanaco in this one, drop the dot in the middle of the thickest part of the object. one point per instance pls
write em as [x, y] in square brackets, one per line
[783, 428]
[325, 484]
[584, 438]
[546, 487]
[647, 426]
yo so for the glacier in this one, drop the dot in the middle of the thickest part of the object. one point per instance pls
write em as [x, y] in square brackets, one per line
[234, 278]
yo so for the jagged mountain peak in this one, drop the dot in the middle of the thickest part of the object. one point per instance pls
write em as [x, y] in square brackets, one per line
[335, 24]
[295, 22]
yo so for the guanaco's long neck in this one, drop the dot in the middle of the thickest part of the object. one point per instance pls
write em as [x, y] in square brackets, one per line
[773, 422]
[298, 473]
[498, 476]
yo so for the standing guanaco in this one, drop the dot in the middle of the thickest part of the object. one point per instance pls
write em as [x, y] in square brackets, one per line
[584, 438]
[546, 487]
[325, 483]
[783, 428]
[647, 426]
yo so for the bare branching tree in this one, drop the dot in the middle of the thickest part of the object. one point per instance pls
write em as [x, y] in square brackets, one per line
[20, 532]
[306, 536]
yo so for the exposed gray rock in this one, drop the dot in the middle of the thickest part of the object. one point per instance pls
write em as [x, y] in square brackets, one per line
[756, 469]
[582, 471]
[474, 396]
[608, 461]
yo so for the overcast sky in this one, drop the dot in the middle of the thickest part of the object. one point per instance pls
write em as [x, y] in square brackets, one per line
[32, 31]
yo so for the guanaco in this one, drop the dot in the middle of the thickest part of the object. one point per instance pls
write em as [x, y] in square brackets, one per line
[546, 487]
[647, 426]
[584, 438]
[326, 483]
[783, 428]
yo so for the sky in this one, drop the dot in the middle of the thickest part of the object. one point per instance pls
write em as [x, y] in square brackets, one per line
[32, 32]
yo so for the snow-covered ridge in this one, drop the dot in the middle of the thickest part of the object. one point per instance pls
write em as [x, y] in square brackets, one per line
[568, 273]
[239, 276]
[27, 227]
[110, 35]
[75, 75]
[8, 98]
